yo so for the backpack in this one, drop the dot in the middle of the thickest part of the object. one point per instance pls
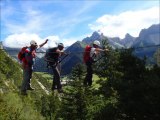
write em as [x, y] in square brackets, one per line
[51, 57]
[86, 55]
[21, 53]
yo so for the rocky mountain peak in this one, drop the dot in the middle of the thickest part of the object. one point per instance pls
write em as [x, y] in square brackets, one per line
[154, 29]
[149, 36]
[128, 40]
[95, 36]
[128, 36]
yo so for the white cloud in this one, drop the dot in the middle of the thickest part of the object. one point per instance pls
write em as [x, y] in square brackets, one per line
[23, 39]
[53, 40]
[127, 22]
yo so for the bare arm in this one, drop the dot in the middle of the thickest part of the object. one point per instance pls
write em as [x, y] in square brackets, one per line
[41, 45]
[101, 50]
[60, 52]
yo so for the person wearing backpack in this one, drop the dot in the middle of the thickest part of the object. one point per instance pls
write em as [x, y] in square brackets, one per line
[27, 56]
[89, 58]
[52, 57]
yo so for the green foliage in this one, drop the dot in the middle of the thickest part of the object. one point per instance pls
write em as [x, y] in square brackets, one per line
[14, 107]
[74, 103]
[133, 87]
[51, 106]
[134, 95]
[10, 71]
[45, 79]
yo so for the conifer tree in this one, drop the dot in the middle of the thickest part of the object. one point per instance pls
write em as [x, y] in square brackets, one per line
[131, 88]
[74, 100]
[108, 74]
[51, 106]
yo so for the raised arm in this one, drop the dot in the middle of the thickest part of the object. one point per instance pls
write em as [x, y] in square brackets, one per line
[41, 45]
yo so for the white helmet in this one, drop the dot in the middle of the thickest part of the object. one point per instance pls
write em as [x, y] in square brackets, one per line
[33, 42]
[60, 44]
[96, 42]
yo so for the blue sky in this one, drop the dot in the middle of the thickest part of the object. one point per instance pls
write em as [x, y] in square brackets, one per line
[70, 20]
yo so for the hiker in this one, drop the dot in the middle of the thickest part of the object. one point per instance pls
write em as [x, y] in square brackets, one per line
[89, 58]
[27, 65]
[52, 57]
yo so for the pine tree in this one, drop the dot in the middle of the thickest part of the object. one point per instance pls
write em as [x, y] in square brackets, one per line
[51, 106]
[74, 100]
[130, 89]
[109, 75]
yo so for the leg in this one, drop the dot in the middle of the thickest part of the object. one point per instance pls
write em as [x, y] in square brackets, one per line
[88, 78]
[56, 79]
[90, 75]
[26, 79]
[29, 82]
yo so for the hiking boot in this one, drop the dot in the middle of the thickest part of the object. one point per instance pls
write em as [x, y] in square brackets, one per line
[30, 88]
[23, 93]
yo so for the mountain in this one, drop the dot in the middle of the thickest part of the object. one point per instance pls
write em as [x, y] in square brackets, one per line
[115, 42]
[148, 37]
[74, 57]
[95, 36]
[127, 41]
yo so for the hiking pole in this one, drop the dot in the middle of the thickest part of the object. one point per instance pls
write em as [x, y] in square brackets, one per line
[63, 58]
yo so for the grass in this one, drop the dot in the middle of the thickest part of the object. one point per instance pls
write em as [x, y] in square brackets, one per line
[95, 80]
[45, 75]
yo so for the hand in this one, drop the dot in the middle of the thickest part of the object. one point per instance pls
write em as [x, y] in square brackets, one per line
[106, 50]
[46, 41]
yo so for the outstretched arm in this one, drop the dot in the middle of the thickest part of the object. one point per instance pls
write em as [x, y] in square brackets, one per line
[102, 50]
[41, 45]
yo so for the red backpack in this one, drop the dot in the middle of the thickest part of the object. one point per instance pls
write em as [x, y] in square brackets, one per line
[21, 54]
[86, 55]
